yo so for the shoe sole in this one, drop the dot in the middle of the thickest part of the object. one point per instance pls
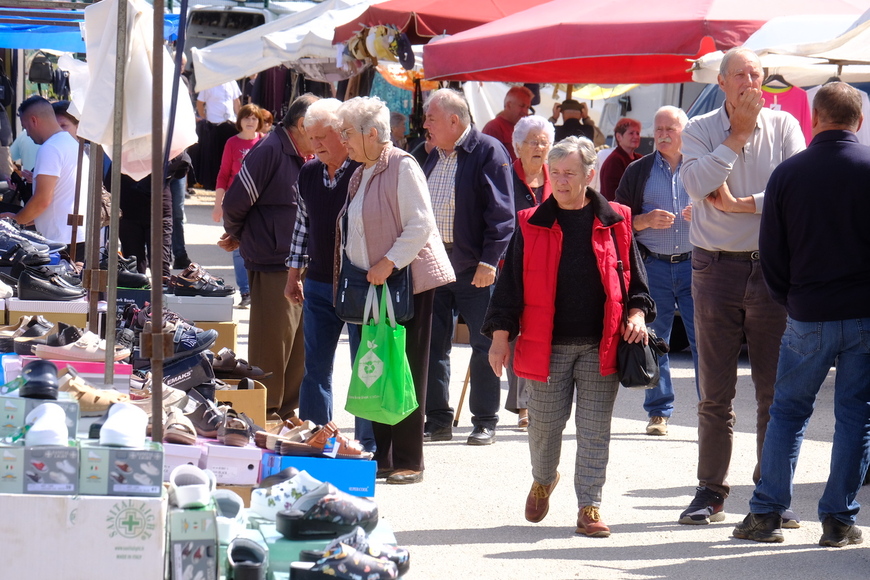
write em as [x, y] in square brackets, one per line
[840, 544]
[599, 534]
[772, 538]
[436, 438]
[656, 432]
[480, 442]
[717, 517]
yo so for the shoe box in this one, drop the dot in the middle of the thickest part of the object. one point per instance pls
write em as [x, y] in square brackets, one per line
[14, 410]
[94, 373]
[74, 312]
[175, 455]
[228, 333]
[99, 538]
[283, 552]
[353, 476]
[231, 465]
[201, 308]
[120, 470]
[243, 491]
[127, 296]
[43, 469]
[251, 402]
[193, 543]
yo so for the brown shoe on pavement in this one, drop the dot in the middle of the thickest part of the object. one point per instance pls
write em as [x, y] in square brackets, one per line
[405, 476]
[589, 523]
[657, 426]
[538, 501]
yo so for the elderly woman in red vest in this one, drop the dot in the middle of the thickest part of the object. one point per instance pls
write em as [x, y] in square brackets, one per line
[562, 299]
[390, 225]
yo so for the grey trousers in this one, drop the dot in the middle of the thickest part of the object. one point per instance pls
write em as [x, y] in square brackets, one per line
[573, 376]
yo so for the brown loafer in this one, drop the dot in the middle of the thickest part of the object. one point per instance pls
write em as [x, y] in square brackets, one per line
[538, 501]
[589, 523]
[405, 476]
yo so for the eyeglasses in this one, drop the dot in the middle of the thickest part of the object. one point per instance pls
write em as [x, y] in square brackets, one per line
[537, 143]
[345, 133]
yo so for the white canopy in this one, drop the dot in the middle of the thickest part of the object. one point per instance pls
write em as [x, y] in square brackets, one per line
[305, 35]
[799, 48]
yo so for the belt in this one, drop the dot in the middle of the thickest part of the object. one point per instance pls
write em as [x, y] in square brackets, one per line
[448, 246]
[745, 256]
[672, 258]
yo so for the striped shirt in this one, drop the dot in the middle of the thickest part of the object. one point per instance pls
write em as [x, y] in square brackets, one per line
[664, 190]
[442, 187]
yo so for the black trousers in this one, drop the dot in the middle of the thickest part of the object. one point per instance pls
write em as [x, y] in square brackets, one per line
[135, 237]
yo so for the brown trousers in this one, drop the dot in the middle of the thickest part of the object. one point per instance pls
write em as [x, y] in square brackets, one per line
[275, 342]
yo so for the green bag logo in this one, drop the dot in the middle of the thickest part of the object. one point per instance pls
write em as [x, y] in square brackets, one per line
[371, 367]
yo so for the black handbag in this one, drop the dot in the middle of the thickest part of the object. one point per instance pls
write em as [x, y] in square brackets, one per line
[41, 70]
[352, 289]
[637, 363]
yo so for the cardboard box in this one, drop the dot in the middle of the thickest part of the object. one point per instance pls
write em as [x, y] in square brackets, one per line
[14, 410]
[201, 308]
[243, 491]
[175, 455]
[353, 476]
[120, 470]
[193, 549]
[231, 465]
[125, 296]
[100, 538]
[228, 334]
[251, 402]
[74, 312]
[47, 469]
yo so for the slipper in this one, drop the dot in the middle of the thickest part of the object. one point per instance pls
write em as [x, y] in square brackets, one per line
[93, 402]
[179, 429]
[40, 380]
[266, 502]
[190, 486]
[247, 560]
[345, 563]
[359, 541]
[326, 512]
[230, 515]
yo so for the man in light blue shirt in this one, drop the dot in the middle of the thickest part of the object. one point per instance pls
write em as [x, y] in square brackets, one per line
[654, 191]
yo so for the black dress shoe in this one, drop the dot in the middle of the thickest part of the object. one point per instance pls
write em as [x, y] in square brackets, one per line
[482, 436]
[34, 285]
[437, 433]
[40, 378]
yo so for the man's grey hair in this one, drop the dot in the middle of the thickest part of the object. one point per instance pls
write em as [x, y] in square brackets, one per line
[322, 112]
[452, 102]
[528, 124]
[580, 145]
[676, 112]
[725, 65]
[367, 112]
[397, 118]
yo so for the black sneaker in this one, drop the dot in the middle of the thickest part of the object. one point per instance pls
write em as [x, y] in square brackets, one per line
[707, 507]
[836, 534]
[760, 527]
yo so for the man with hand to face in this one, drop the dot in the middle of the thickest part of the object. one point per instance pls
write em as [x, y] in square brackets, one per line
[728, 156]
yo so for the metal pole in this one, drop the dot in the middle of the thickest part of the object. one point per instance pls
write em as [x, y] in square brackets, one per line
[157, 185]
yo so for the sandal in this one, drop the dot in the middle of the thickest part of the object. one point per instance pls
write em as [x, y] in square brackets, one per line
[523, 422]
[233, 431]
[343, 562]
[324, 441]
[179, 429]
[93, 402]
[359, 541]
[326, 512]
[227, 366]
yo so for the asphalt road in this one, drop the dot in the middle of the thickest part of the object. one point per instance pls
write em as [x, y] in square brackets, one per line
[465, 520]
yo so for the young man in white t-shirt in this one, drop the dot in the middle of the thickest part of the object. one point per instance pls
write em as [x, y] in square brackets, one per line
[216, 109]
[54, 175]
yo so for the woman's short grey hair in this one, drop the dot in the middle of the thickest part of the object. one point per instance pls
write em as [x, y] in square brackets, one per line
[451, 102]
[529, 124]
[322, 112]
[579, 145]
[364, 113]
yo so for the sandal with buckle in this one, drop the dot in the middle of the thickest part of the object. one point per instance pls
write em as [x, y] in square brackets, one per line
[93, 402]
[227, 366]
[194, 281]
[179, 429]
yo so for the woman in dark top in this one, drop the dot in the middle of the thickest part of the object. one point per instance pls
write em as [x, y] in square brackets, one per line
[532, 139]
[564, 305]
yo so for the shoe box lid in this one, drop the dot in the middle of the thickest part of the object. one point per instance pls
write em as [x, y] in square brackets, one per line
[201, 308]
[47, 307]
[14, 410]
[101, 538]
[353, 476]
[175, 455]
[41, 470]
[124, 471]
[251, 402]
[230, 465]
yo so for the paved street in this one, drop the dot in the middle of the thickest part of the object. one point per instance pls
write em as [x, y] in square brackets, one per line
[466, 519]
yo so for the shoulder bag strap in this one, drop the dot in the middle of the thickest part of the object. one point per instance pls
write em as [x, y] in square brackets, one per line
[620, 268]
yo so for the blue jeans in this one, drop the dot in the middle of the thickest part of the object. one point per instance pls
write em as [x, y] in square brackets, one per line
[178, 188]
[485, 392]
[808, 351]
[241, 273]
[670, 285]
[321, 329]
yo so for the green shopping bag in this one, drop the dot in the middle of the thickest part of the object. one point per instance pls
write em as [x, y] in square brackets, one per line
[381, 386]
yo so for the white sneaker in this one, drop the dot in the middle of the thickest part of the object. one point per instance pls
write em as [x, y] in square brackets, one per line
[66, 467]
[231, 519]
[267, 502]
[150, 469]
[124, 427]
[47, 426]
[190, 486]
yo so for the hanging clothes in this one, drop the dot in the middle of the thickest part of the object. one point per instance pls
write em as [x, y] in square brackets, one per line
[791, 100]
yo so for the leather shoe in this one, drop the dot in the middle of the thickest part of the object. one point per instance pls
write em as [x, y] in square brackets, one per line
[538, 500]
[403, 476]
[444, 433]
[481, 436]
